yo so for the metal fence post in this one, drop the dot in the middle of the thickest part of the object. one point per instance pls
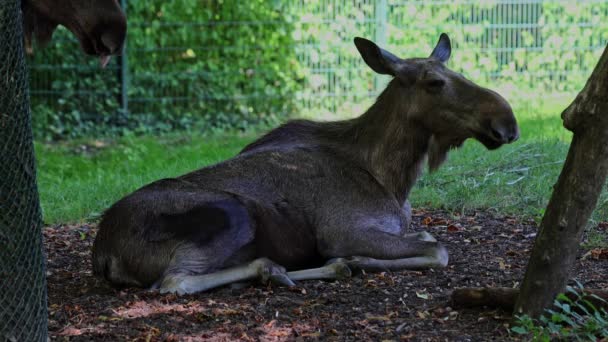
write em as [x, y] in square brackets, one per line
[123, 72]
[381, 21]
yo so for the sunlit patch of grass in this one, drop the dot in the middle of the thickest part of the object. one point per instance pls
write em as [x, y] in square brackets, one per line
[515, 179]
[79, 179]
[77, 185]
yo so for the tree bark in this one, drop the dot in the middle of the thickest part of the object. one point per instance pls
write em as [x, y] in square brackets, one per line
[505, 297]
[574, 197]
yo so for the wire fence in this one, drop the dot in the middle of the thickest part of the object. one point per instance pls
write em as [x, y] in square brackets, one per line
[23, 313]
[537, 53]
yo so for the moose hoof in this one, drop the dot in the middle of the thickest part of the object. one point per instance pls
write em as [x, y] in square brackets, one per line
[352, 262]
[175, 284]
[441, 256]
[424, 236]
[341, 270]
[268, 270]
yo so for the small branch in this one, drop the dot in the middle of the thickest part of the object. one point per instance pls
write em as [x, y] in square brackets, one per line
[505, 297]
[496, 297]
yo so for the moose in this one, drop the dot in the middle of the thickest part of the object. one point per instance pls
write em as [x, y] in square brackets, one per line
[308, 200]
[99, 25]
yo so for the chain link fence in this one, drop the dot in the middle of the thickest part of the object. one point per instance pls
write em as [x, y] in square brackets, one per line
[23, 313]
[229, 65]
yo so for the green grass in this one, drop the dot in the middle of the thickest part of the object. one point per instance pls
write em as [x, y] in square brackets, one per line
[515, 179]
[77, 186]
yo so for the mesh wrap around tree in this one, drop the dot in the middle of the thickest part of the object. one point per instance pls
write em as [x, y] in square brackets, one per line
[23, 314]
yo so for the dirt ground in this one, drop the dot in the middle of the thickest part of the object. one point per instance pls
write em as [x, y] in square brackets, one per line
[485, 250]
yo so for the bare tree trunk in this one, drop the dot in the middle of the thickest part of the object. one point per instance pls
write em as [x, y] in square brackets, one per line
[574, 197]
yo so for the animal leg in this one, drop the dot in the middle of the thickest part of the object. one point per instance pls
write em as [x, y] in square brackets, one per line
[420, 248]
[335, 270]
[378, 265]
[261, 268]
[420, 236]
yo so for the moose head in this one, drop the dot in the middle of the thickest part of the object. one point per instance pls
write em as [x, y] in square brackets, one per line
[441, 101]
[99, 25]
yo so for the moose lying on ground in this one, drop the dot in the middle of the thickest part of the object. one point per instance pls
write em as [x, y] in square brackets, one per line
[99, 25]
[307, 193]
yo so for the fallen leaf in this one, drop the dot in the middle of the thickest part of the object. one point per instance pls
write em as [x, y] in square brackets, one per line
[371, 317]
[422, 314]
[224, 312]
[454, 228]
[422, 295]
[314, 334]
[599, 253]
[429, 221]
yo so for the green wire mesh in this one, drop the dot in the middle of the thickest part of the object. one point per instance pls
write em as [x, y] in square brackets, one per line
[23, 315]
[536, 53]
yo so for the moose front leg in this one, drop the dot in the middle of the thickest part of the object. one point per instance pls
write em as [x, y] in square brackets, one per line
[262, 268]
[379, 265]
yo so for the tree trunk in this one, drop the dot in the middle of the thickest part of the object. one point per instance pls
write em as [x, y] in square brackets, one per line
[574, 196]
[23, 314]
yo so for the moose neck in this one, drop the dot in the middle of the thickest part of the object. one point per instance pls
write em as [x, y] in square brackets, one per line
[389, 143]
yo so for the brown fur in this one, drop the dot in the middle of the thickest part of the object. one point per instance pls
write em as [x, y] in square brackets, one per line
[309, 191]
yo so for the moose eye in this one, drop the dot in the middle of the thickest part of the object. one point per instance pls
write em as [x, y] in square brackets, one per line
[437, 83]
[434, 85]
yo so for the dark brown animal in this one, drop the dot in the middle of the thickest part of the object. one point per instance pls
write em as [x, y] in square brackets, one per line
[99, 25]
[307, 193]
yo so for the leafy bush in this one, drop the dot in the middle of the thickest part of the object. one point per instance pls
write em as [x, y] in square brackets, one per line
[216, 64]
[192, 65]
[576, 319]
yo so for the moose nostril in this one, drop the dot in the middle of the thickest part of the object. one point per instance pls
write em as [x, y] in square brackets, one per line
[514, 135]
[497, 134]
[111, 40]
[110, 43]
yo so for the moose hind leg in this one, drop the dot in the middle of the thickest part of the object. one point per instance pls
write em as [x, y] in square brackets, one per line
[262, 269]
[336, 270]
[439, 260]
[372, 249]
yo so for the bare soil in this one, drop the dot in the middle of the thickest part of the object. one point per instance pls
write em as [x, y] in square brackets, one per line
[485, 250]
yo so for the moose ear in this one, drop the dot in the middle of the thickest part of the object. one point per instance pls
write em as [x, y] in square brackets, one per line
[380, 60]
[443, 50]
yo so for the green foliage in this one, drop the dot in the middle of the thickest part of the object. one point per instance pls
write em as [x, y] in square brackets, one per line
[195, 65]
[217, 64]
[234, 58]
[80, 178]
[577, 320]
[534, 53]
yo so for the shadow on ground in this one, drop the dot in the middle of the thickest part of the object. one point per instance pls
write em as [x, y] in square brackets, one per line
[486, 250]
